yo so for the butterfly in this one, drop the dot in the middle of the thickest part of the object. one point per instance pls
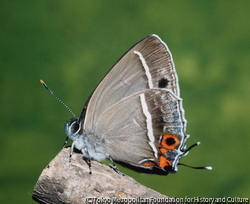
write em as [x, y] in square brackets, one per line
[135, 115]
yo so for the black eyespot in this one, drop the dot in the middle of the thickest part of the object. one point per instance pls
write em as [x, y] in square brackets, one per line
[163, 83]
[170, 141]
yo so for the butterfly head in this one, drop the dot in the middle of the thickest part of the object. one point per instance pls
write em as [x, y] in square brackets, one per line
[73, 128]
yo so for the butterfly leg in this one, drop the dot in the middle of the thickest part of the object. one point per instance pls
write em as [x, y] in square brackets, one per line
[114, 167]
[87, 158]
[71, 151]
[84, 152]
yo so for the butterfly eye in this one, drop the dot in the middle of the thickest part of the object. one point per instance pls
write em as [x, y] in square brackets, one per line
[73, 127]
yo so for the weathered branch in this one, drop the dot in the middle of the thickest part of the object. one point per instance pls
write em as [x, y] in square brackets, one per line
[70, 182]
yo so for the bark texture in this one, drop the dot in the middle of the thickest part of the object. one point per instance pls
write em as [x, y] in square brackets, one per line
[64, 182]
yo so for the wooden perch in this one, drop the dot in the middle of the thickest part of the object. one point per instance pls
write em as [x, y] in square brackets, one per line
[64, 182]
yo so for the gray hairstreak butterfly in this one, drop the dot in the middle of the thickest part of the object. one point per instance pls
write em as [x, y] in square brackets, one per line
[135, 114]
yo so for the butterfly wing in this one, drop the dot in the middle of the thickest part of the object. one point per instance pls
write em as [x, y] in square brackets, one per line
[148, 64]
[147, 127]
[135, 114]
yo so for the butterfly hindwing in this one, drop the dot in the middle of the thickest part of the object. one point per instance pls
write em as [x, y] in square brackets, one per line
[137, 130]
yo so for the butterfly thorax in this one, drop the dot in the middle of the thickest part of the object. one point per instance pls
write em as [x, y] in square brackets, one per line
[87, 143]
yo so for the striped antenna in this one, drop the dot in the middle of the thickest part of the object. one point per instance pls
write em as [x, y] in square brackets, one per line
[57, 98]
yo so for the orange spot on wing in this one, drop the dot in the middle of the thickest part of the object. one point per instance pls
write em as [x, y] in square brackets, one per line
[163, 162]
[169, 142]
[163, 150]
[149, 164]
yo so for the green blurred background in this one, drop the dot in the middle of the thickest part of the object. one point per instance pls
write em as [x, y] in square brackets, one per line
[72, 44]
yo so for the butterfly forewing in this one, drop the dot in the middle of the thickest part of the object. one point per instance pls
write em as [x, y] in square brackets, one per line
[147, 65]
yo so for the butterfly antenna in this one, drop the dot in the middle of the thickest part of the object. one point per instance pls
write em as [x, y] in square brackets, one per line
[57, 98]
